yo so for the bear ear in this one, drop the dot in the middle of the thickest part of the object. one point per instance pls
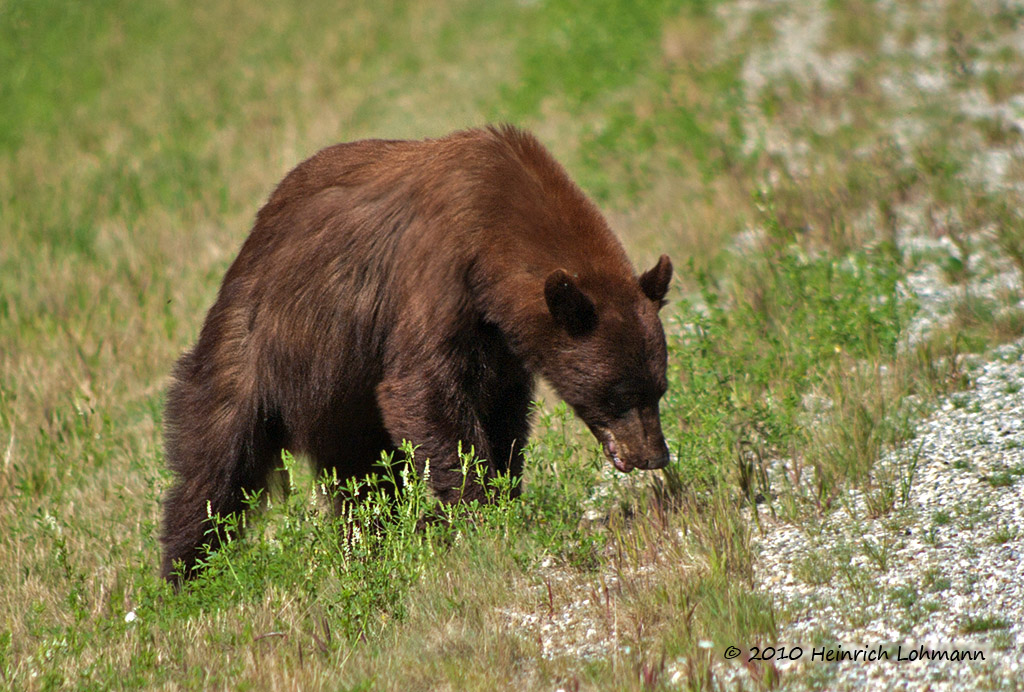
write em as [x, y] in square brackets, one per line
[654, 282]
[570, 307]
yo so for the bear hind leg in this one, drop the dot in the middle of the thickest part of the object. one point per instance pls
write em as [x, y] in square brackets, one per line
[219, 463]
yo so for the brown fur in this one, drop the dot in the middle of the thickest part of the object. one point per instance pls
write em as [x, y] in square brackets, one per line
[396, 290]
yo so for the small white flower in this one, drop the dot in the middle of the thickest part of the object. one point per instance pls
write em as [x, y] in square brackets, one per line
[130, 616]
[705, 643]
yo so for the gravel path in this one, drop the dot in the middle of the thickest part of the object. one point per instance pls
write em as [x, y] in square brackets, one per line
[944, 571]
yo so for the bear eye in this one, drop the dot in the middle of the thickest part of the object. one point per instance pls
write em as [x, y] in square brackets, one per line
[622, 397]
[621, 400]
[620, 407]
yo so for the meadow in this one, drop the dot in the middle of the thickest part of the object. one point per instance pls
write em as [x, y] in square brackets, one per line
[807, 169]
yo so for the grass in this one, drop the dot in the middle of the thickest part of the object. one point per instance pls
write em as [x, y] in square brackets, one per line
[136, 144]
[983, 623]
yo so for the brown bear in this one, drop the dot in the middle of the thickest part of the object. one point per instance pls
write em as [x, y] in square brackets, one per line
[412, 290]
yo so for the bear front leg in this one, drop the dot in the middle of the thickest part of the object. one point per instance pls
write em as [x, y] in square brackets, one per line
[433, 414]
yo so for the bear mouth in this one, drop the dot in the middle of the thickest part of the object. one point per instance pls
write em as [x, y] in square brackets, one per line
[611, 451]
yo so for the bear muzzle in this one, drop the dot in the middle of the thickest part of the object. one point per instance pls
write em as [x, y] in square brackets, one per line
[634, 442]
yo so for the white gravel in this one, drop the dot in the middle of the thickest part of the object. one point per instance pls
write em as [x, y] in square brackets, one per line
[943, 570]
[943, 565]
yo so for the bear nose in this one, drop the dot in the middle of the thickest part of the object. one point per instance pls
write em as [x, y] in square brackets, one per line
[659, 460]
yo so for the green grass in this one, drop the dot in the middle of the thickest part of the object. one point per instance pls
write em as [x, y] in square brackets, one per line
[137, 143]
[983, 623]
[1000, 479]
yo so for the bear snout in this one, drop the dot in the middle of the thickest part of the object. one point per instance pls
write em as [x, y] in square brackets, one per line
[658, 460]
[633, 445]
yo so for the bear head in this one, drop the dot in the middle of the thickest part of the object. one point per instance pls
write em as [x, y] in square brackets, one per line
[609, 360]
